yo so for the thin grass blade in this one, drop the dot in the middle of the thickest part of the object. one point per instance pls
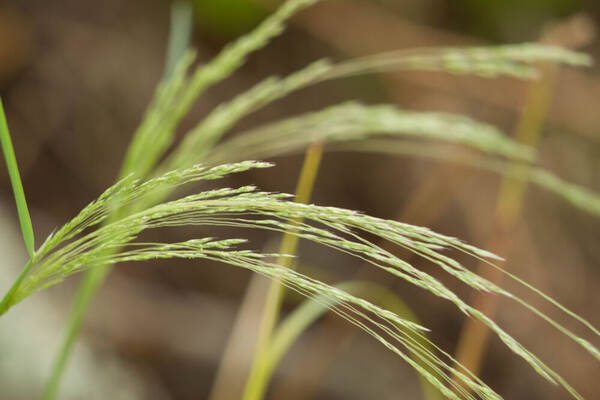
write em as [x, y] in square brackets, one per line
[15, 180]
[180, 31]
[305, 315]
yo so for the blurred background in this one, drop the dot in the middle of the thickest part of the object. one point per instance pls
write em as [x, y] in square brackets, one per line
[75, 78]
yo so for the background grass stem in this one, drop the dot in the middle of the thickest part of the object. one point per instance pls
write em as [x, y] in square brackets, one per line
[474, 336]
[86, 291]
[258, 378]
[179, 38]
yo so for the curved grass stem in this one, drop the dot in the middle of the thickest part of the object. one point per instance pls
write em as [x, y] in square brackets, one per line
[7, 300]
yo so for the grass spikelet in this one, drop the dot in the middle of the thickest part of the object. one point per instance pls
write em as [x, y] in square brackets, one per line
[116, 242]
[177, 93]
[576, 195]
[354, 121]
[106, 232]
[514, 60]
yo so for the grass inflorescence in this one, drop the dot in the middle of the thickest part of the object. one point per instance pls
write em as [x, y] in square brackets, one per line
[107, 231]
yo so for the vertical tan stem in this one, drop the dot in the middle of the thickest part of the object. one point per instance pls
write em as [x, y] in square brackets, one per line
[474, 335]
[256, 384]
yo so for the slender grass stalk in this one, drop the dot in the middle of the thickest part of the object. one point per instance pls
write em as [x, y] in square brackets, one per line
[22, 209]
[577, 196]
[498, 61]
[175, 66]
[173, 100]
[7, 301]
[257, 379]
[312, 371]
[474, 336]
[15, 181]
[132, 206]
[156, 133]
[180, 32]
[306, 314]
[62, 255]
[352, 121]
[83, 297]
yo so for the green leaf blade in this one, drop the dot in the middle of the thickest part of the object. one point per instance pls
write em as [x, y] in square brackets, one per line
[15, 180]
[180, 32]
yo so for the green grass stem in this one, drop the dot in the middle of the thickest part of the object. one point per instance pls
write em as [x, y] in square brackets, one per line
[15, 180]
[84, 295]
[7, 300]
[180, 32]
[306, 314]
[178, 42]
[257, 380]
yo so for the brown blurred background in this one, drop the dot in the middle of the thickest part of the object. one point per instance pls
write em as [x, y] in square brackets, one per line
[75, 77]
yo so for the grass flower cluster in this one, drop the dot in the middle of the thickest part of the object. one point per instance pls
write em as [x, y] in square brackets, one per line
[107, 231]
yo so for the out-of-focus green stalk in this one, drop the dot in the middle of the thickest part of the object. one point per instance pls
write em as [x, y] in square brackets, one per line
[179, 37]
[306, 314]
[180, 32]
[258, 378]
[86, 291]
